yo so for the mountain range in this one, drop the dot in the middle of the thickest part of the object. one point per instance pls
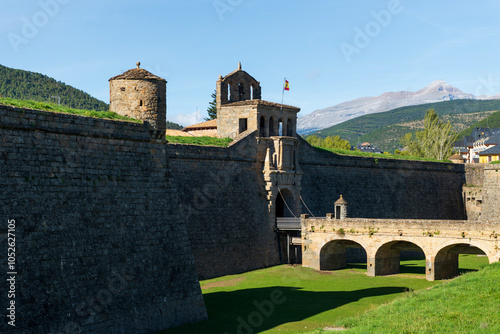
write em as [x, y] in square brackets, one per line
[436, 91]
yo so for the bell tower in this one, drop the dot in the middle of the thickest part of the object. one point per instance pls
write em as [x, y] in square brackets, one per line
[240, 108]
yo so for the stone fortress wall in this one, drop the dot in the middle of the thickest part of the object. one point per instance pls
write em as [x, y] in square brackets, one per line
[101, 246]
[381, 188]
[223, 202]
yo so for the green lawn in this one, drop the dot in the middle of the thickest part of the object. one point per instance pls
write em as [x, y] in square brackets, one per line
[46, 106]
[287, 299]
[468, 304]
[203, 141]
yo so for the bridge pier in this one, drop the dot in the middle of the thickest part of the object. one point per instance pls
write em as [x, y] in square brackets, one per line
[445, 266]
[333, 257]
[387, 263]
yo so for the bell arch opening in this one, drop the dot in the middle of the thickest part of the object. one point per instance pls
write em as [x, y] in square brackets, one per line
[272, 131]
[337, 254]
[290, 128]
[262, 127]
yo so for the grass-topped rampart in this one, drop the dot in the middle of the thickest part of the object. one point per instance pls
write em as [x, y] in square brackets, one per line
[52, 107]
[379, 155]
[202, 141]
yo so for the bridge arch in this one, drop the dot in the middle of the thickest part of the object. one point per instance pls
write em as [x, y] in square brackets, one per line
[333, 254]
[445, 263]
[388, 256]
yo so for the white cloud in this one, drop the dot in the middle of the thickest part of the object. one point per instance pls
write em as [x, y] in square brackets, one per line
[185, 119]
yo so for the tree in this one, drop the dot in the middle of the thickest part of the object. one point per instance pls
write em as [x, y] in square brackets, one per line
[212, 108]
[334, 142]
[314, 140]
[435, 141]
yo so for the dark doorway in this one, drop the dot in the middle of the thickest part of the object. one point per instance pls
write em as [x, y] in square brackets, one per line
[284, 204]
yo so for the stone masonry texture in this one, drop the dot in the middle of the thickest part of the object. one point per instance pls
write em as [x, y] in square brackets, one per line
[381, 188]
[491, 199]
[223, 202]
[100, 243]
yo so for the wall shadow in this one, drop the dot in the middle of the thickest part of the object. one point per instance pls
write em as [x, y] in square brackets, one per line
[256, 310]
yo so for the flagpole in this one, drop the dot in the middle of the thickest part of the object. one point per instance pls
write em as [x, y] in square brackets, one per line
[282, 98]
[283, 93]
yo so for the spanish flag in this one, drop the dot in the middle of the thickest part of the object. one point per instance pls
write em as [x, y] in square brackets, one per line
[287, 85]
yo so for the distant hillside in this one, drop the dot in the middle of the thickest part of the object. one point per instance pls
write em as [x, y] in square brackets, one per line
[386, 128]
[24, 85]
[30, 86]
[492, 122]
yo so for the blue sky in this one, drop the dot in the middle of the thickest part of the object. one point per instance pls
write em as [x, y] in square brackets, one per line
[330, 51]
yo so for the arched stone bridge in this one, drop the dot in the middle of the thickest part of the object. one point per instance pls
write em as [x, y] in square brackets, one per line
[324, 243]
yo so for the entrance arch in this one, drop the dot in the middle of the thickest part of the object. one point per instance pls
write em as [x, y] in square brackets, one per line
[446, 264]
[334, 254]
[285, 203]
[388, 257]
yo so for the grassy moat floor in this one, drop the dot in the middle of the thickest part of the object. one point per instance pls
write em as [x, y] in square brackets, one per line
[293, 299]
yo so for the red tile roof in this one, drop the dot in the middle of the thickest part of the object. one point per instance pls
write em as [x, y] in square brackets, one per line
[212, 124]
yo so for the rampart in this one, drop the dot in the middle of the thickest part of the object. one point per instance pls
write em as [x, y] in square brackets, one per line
[100, 245]
[223, 202]
[381, 188]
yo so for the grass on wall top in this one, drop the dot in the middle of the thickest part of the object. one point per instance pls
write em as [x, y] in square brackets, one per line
[379, 155]
[52, 107]
[202, 141]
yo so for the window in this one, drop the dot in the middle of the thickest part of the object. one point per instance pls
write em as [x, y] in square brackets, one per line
[140, 103]
[241, 92]
[243, 124]
[122, 89]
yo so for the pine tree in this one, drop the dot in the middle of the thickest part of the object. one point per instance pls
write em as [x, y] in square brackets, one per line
[212, 108]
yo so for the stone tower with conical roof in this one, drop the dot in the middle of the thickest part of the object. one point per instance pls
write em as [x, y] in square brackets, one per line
[142, 95]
